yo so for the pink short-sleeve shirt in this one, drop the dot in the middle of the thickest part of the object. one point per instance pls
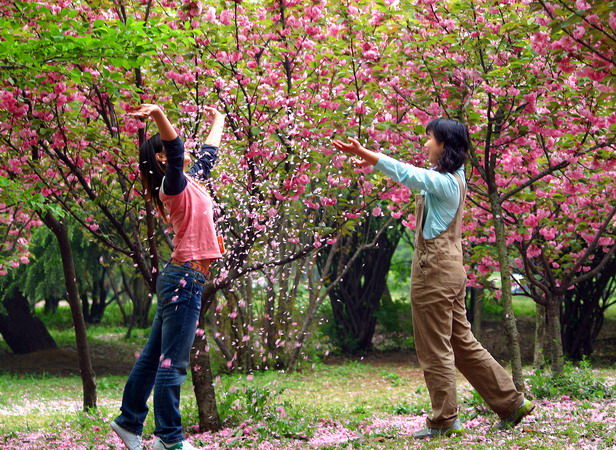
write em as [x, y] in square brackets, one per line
[191, 216]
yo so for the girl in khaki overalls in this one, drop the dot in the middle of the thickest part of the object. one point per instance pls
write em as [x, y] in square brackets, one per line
[443, 337]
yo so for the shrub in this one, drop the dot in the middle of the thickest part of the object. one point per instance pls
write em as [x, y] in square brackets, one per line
[576, 382]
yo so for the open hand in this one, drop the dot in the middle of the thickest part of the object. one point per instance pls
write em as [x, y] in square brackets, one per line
[212, 112]
[144, 110]
[353, 146]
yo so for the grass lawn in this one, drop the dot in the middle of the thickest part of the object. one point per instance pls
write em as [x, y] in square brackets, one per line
[343, 405]
[338, 406]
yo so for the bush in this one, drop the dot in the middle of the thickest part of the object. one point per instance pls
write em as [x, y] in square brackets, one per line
[238, 404]
[259, 407]
[394, 326]
[576, 382]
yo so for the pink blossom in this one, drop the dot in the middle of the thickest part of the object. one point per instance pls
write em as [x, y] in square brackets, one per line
[210, 14]
[281, 411]
[579, 31]
[350, 215]
[226, 16]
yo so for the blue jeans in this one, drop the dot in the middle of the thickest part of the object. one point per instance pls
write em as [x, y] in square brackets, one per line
[165, 357]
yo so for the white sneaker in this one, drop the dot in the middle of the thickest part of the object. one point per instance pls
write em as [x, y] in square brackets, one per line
[131, 440]
[184, 445]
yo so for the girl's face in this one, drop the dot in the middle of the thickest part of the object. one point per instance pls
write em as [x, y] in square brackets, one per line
[435, 149]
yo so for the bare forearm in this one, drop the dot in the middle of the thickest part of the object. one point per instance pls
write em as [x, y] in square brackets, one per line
[166, 130]
[367, 155]
[215, 135]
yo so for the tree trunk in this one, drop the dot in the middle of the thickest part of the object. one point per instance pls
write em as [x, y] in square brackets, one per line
[511, 329]
[118, 298]
[88, 378]
[477, 302]
[356, 298]
[85, 307]
[22, 331]
[554, 334]
[203, 379]
[142, 302]
[539, 347]
[99, 299]
[141, 298]
[51, 305]
[315, 300]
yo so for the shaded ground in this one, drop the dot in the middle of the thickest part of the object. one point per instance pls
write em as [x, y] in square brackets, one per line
[107, 359]
[493, 338]
[114, 358]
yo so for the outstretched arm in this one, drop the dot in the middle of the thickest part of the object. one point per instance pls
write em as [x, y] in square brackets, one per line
[363, 157]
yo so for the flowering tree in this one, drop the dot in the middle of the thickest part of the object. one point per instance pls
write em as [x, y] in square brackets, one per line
[278, 73]
[265, 75]
[290, 75]
[487, 63]
[584, 32]
[59, 125]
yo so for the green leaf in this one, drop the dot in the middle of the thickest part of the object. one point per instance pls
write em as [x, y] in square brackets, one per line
[254, 131]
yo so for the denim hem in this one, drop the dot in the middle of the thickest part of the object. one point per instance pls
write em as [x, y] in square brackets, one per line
[122, 425]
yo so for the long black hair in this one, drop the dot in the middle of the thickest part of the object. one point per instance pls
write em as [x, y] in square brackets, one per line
[455, 136]
[152, 170]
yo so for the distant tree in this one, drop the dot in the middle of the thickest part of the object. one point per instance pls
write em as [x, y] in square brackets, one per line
[584, 308]
[356, 299]
[21, 329]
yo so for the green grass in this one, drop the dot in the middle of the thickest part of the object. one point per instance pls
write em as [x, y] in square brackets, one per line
[38, 401]
[350, 392]
[351, 395]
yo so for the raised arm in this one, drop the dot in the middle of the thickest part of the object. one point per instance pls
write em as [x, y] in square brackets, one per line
[218, 124]
[207, 156]
[165, 129]
[441, 185]
[173, 156]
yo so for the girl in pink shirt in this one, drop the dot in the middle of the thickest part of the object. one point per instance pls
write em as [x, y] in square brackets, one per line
[183, 202]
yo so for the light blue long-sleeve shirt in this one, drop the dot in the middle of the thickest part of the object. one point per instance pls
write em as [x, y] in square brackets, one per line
[441, 191]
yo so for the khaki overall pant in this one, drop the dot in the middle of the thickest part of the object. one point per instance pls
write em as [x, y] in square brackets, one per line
[443, 337]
